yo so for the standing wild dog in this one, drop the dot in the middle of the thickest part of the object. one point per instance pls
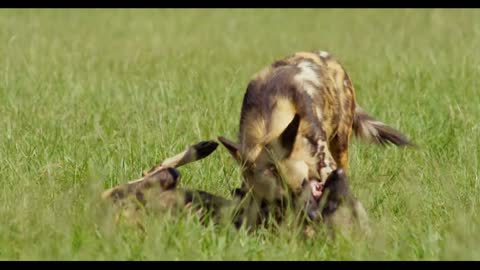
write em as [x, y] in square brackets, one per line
[295, 125]
[157, 190]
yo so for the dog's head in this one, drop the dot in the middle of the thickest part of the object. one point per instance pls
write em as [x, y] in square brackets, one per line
[278, 168]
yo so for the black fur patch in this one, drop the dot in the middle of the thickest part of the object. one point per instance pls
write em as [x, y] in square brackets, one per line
[205, 148]
[287, 139]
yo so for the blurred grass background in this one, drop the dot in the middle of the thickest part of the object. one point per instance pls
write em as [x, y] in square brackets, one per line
[89, 98]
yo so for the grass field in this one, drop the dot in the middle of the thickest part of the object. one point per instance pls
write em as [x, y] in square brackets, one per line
[90, 98]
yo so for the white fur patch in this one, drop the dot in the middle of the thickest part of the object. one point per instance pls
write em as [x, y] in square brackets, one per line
[307, 74]
[319, 113]
[369, 130]
[324, 54]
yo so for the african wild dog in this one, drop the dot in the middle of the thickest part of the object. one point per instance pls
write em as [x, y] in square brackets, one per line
[157, 190]
[295, 125]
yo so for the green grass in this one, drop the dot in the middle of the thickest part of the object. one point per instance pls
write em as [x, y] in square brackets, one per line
[90, 98]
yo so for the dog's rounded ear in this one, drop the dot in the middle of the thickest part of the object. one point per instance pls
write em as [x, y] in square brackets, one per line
[204, 148]
[340, 173]
[337, 175]
[232, 147]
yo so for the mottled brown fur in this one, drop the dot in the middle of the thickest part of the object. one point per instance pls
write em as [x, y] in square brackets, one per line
[316, 88]
[157, 192]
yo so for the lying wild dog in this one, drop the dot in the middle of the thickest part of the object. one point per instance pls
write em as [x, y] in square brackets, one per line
[157, 189]
[295, 125]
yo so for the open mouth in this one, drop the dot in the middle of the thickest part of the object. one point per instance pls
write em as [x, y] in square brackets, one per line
[317, 189]
[313, 204]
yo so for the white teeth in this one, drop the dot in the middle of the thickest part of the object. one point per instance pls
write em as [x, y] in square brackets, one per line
[316, 189]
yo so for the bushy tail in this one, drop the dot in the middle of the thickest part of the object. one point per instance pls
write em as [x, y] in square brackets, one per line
[366, 127]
